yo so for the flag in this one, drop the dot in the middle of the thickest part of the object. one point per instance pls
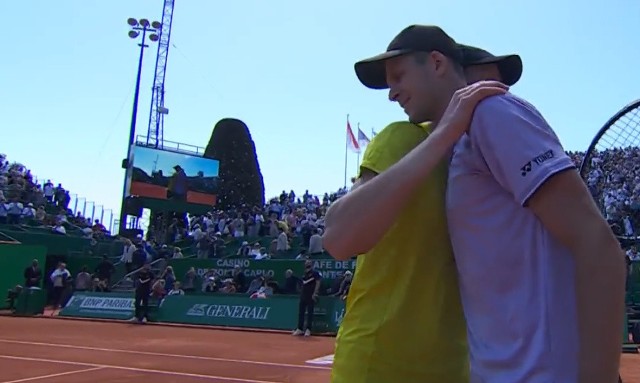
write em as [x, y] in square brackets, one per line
[363, 140]
[352, 143]
[373, 133]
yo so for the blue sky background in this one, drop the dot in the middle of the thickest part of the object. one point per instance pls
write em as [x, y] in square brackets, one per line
[285, 68]
[144, 158]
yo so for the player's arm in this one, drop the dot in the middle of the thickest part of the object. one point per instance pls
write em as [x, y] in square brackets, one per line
[318, 281]
[527, 159]
[357, 221]
[565, 207]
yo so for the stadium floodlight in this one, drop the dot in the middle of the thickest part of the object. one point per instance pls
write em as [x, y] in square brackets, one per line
[139, 29]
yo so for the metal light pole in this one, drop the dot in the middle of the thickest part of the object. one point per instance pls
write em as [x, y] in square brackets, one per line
[139, 28]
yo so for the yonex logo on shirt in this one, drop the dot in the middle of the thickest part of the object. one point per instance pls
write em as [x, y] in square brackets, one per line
[538, 160]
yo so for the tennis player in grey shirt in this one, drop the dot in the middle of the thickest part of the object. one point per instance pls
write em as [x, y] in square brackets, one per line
[541, 273]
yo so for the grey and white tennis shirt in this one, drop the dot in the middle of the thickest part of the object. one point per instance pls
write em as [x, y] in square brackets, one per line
[516, 281]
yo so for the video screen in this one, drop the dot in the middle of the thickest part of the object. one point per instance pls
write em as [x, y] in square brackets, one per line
[174, 177]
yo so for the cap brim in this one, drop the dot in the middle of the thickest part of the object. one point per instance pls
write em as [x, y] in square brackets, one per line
[372, 71]
[510, 67]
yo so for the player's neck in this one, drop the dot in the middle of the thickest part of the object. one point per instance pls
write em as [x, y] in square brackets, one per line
[447, 93]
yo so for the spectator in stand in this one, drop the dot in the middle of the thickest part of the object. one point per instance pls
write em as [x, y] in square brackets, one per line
[59, 228]
[105, 270]
[29, 213]
[49, 191]
[239, 279]
[345, 284]
[315, 242]
[177, 253]
[291, 283]
[14, 212]
[176, 290]
[84, 281]
[169, 278]
[228, 286]
[190, 279]
[255, 284]
[41, 214]
[127, 255]
[4, 210]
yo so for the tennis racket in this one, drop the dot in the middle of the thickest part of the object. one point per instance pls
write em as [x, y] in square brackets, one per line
[611, 162]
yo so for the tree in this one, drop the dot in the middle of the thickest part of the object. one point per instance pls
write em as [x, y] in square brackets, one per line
[240, 179]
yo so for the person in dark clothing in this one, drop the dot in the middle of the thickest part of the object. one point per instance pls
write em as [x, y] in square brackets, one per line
[139, 256]
[308, 298]
[291, 283]
[105, 270]
[32, 275]
[144, 280]
[239, 279]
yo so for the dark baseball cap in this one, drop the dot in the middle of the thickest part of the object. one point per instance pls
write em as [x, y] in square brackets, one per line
[416, 38]
[510, 66]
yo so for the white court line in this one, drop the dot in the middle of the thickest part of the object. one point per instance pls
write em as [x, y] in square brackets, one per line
[147, 370]
[213, 359]
[53, 375]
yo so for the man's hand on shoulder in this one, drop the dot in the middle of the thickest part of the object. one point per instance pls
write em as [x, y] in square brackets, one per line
[456, 119]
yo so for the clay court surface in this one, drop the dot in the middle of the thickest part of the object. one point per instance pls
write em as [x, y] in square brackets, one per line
[46, 350]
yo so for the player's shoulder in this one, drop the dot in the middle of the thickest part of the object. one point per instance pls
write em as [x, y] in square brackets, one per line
[397, 132]
[503, 105]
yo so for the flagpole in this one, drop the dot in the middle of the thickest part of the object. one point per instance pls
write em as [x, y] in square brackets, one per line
[358, 161]
[346, 148]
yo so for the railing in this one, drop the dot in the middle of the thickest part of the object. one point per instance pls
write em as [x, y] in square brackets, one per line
[88, 209]
[127, 277]
[172, 146]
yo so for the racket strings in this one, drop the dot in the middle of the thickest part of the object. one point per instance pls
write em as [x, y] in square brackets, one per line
[612, 170]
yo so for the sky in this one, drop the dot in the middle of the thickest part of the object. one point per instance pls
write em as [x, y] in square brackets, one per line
[285, 68]
[149, 159]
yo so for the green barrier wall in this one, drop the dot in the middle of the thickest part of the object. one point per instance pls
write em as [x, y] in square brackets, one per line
[13, 260]
[100, 305]
[276, 312]
[330, 268]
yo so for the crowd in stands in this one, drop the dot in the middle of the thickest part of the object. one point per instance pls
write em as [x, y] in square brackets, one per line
[282, 218]
[26, 200]
[614, 182]
[613, 179]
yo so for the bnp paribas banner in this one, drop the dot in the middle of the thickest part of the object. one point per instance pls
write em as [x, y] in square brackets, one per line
[100, 305]
[331, 269]
[276, 312]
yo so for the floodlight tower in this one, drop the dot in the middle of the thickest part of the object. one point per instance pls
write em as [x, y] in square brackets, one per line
[155, 133]
[139, 29]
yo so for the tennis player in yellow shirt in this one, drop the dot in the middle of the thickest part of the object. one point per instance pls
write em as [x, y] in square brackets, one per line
[404, 320]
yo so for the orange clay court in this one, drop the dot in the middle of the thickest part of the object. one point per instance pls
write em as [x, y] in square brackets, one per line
[47, 350]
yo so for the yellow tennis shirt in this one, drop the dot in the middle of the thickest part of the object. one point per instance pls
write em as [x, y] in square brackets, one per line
[404, 320]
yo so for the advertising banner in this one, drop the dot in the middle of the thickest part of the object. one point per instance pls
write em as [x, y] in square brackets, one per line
[100, 305]
[276, 312]
[275, 269]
